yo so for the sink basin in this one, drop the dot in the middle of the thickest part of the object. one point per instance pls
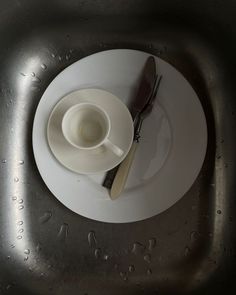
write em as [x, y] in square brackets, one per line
[47, 249]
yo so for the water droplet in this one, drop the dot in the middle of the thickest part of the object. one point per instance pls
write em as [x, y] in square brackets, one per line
[8, 287]
[8, 257]
[218, 157]
[63, 232]
[22, 74]
[30, 269]
[194, 236]
[38, 248]
[122, 274]
[26, 258]
[20, 201]
[45, 217]
[92, 241]
[21, 162]
[186, 251]
[219, 211]
[36, 80]
[97, 253]
[12, 246]
[59, 58]
[14, 198]
[4, 161]
[20, 222]
[53, 55]
[21, 230]
[19, 237]
[21, 207]
[152, 243]
[16, 179]
[35, 88]
[147, 258]
[33, 74]
[67, 56]
[138, 248]
[43, 66]
[71, 50]
[131, 268]
[106, 257]
[149, 272]
[27, 251]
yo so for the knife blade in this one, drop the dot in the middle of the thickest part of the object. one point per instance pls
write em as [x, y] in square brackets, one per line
[146, 84]
[146, 109]
[145, 88]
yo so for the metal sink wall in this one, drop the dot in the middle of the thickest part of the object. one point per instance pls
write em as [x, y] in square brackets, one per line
[47, 249]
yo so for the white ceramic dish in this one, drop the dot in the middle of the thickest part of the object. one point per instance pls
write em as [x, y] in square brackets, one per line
[100, 159]
[172, 147]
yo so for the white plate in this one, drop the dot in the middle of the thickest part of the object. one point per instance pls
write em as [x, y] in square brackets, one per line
[172, 147]
[88, 162]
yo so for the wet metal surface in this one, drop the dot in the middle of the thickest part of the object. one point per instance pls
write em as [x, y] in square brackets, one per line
[47, 249]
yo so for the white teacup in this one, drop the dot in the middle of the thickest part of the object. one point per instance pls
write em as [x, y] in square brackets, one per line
[86, 126]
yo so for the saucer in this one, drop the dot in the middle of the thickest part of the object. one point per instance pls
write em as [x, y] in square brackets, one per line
[171, 150]
[100, 159]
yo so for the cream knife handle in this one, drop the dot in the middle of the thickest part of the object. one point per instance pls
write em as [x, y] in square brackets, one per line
[122, 173]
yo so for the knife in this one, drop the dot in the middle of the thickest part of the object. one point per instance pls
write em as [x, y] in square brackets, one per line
[144, 92]
[146, 85]
[123, 170]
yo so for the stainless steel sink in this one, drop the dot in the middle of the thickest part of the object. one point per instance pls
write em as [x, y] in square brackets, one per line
[47, 249]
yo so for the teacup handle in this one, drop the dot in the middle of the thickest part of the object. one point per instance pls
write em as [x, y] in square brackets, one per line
[114, 148]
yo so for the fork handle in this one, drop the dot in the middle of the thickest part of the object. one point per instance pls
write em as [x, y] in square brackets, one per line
[122, 173]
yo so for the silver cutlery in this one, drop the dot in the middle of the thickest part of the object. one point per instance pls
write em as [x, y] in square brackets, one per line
[124, 168]
[139, 101]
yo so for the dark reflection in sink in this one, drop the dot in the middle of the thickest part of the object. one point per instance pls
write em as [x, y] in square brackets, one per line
[44, 247]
